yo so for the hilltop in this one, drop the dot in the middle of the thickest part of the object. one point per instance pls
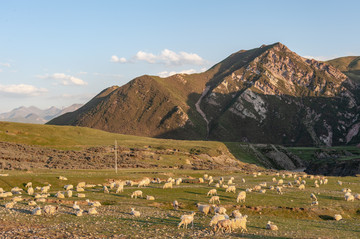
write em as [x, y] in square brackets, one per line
[263, 95]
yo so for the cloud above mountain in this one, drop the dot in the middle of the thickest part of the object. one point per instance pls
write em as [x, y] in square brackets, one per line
[64, 79]
[22, 89]
[166, 57]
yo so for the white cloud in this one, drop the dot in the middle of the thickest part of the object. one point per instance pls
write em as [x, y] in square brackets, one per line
[22, 89]
[64, 79]
[117, 59]
[166, 57]
[321, 58]
[5, 64]
[170, 73]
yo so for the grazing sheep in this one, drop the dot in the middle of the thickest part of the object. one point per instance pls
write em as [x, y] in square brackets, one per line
[106, 190]
[130, 183]
[135, 213]
[62, 178]
[203, 208]
[178, 181]
[112, 185]
[210, 181]
[326, 181]
[81, 195]
[94, 203]
[349, 198]
[217, 217]
[76, 206]
[17, 199]
[36, 211]
[219, 210]
[302, 187]
[59, 195]
[29, 184]
[92, 211]
[137, 193]
[120, 189]
[312, 196]
[217, 185]
[201, 180]
[271, 187]
[264, 184]
[79, 213]
[239, 223]
[248, 190]
[271, 226]
[144, 183]
[50, 210]
[214, 198]
[274, 180]
[68, 187]
[186, 219]
[340, 183]
[290, 184]
[241, 197]
[262, 191]
[223, 225]
[315, 203]
[16, 190]
[175, 205]
[346, 190]
[81, 185]
[303, 182]
[230, 182]
[69, 193]
[206, 176]
[212, 192]
[280, 182]
[236, 213]
[231, 189]
[357, 196]
[150, 198]
[32, 203]
[337, 217]
[316, 185]
[257, 188]
[41, 200]
[225, 186]
[168, 185]
[243, 180]
[79, 189]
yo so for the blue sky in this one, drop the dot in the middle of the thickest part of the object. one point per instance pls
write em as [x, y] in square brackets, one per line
[56, 53]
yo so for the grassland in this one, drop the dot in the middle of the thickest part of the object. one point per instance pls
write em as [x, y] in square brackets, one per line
[291, 212]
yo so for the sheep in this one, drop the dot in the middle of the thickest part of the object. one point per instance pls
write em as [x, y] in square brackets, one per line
[137, 193]
[175, 205]
[257, 188]
[243, 180]
[231, 189]
[16, 190]
[81, 195]
[280, 182]
[10, 205]
[112, 185]
[17, 199]
[135, 213]
[262, 191]
[206, 176]
[210, 178]
[219, 210]
[68, 187]
[81, 185]
[290, 184]
[303, 182]
[236, 213]
[29, 184]
[69, 193]
[79, 213]
[357, 196]
[337, 217]
[45, 189]
[186, 219]
[346, 190]
[201, 180]
[248, 190]
[41, 200]
[168, 185]
[92, 211]
[223, 225]
[217, 185]
[150, 198]
[214, 198]
[62, 178]
[76, 206]
[36, 211]
[326, 181]
[339, 182]
[264, 184]
[349, 198]
[210, 181]
[217, 217]
[212, 192]
[271, 187]
[239, 223]
[120, 189]
[225, 186]
[178, 181]
[59, 195]
[94, 203]
[143, 183]
[79, 189]
[315, 203]
[230, 182]
[32, 203]
[274, 180]
[312, 196]
[302, 187]
[204, 208]
[271, 226]
[50, 210]
[130, 183]
[106, 190]
[241, 197]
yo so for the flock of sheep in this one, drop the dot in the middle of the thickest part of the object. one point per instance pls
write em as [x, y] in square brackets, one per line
[220, 222]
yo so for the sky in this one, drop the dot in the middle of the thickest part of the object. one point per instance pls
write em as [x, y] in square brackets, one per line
[57, 53]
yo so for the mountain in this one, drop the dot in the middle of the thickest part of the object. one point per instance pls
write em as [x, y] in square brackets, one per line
[35, 115]
[264, 95]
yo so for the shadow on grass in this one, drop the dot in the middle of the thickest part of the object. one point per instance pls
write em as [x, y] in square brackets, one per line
[326, 217]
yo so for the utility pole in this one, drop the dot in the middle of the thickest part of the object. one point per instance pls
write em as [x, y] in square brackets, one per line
[115, 156]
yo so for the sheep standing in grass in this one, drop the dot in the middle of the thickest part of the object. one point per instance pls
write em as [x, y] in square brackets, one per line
[106, 190]
[223, 225]
[76, 206]
[178, 181]
[150, 198]
[175, 205]
[79, 213]
[217, 217]
[144, 183]
[201, 180]
[231, 189]
[315, 203]
[94, 203]
[10, 205]
[29, 184]
[212, 192]
[349, 197]
[241, 197]
[81, 185]
[59, 195]
[280, 182]
[135, 213]
[137, 193]
[36, 211]
[168, 185]
[50, 210]
[32, 203]
[203, 208]
[68, 187]
[236, 213]
[271, 226]
[69, 193]
[302, 187]
[337, 217]
[30, 191]
[214, 199]
[243, 180]
[186, 220]
[219, 210]
[313, 197]
[210, 181]
[239, 223]
[120, 188]
[357, 196]
[92, 211]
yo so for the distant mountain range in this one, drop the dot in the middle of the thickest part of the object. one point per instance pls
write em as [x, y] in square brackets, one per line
[264, 95]
[35, 115]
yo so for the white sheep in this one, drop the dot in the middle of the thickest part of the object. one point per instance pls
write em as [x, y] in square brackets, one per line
[312, 196]
[32, 203]
[236, 213]
[62, 178]
[69, 193]
[168, 185]
[92, 211]
[223, 225]
[79, 189]
[274, 180]
[68, 187]
[79, 213]
[210, 181]
[186, 220]
[81, 185]
[214, 198]
[137, 193]
[280, 182]
[120, 189]
[315, 203]
[50, 210]
[264, 184]
[349, 198]
[10, 205]
[239, 223]
[231, 189]
[241, 197]
[203, 208]
[201, 180]
[302, 187]
[271, 226]
[337, 217]
[217, 217]
[212, 192]
[178, 181]
[106, 190]
[94, 203]
[243, 180]
[357, 196]
[59, 195]
[76, 206]
[230, 182]
[81, 195]
[135, 213]
[175, 205]
[144, 183]
[150, 198]
[36, 211]
[29, 184]
[217, 185]
[206, 176]
[339, 182]
[219, 210]
[257, 188]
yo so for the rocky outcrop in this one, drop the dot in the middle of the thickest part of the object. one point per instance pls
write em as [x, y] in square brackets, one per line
[335, 167]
